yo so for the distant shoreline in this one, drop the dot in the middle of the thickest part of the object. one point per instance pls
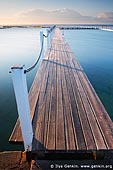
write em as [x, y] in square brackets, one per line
[63, 26]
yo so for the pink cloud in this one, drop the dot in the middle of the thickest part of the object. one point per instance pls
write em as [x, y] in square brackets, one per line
[105, 15]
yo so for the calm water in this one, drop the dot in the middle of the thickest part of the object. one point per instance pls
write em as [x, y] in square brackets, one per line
[94, 50]
[17, 46]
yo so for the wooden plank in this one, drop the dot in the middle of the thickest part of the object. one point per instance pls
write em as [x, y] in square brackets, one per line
[105, 124]
[77, 65]
[60, 139]
[46, 113]
[39, 113]
[38, 138]
[50, 144]
[91, 130]
[71, 141]
[37, 83]
[66, 111]
[43, 109]
[50, 138]
[16, 135]
[76, 118]
[83, 133]
[64, 65]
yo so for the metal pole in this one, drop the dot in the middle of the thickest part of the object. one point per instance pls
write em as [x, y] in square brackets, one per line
[42, 43]
[50, 37]
[48, 41]
[21, 94]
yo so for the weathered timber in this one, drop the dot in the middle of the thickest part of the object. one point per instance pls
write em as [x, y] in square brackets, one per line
[66, 113]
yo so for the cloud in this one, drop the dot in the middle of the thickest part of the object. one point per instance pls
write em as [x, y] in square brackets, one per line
[64, 16]
[58, 12]
[59, 16]
[55, 16]
[105, 15]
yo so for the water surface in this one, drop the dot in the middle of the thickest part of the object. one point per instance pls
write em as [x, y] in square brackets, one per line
[93, 48]
[17, 46]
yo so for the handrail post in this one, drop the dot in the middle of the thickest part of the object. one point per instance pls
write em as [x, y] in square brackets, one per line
[51, 36]
[42, 43]
[21, 94]
[48, 40]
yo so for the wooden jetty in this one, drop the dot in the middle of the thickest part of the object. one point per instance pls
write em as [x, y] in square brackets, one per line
[67, 115]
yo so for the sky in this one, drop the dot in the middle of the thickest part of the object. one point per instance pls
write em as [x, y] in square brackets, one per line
[16, 12]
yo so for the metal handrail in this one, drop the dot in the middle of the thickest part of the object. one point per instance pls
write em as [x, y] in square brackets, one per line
[21, 94]
[41, 50]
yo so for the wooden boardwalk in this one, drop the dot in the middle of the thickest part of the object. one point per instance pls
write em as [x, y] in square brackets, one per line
[66, 113]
